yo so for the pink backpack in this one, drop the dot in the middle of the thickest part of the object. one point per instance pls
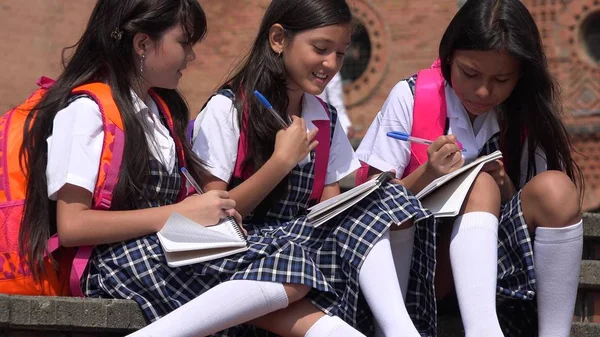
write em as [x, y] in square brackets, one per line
[429, 117]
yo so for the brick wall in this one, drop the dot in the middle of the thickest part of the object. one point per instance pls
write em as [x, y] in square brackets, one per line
[35, 31]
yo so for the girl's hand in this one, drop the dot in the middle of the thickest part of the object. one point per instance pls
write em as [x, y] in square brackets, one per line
[208, 208]
[444, 156]
[294, 144]
[496, 170]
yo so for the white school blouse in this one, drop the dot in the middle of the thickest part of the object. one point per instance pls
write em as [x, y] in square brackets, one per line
[75, 146]
[216, 135]
[385, 153]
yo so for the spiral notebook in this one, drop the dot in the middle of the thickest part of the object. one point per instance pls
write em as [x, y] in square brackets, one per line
[186, 242]
[445, 195]
[328, 209]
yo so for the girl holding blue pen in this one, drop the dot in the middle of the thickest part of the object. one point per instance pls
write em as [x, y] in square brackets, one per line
[519, 238]
[278, 149]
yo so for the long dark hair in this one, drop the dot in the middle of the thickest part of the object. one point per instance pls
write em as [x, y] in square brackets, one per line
[105, 53]
[534, 108]
[264, 70]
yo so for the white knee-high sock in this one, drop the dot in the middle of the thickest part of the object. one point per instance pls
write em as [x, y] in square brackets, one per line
[379, 283]
[226, 305]
[474, 259]
[557, 259]
[402, 242]
[332, 326]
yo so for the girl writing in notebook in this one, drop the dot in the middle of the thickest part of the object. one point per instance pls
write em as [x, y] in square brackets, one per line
[124, 69]
[271, 171]
[524, 210]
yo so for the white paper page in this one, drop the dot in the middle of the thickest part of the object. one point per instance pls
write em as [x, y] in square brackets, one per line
[447, 200]
[178, 259]
[443, 179]
[327, 204]
[181, 233]
[316, 221]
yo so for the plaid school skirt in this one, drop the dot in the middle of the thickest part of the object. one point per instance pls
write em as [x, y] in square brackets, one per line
[284, 247]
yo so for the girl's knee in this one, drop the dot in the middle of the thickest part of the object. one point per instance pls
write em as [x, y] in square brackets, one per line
[484, 195]
[295, 292]
[552, 199]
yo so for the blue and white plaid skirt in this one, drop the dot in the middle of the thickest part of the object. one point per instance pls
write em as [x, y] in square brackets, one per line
[283, 247]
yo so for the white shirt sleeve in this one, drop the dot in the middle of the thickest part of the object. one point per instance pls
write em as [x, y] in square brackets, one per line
[342, 159]
[377, 149]
[216, 136]
[75, 147]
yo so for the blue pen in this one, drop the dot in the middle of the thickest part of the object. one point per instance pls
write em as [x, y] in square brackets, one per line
[264, 101]
[191, 180]
[408, 138]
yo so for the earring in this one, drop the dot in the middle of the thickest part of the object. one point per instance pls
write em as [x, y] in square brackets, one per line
[280, 52]
[143, 57]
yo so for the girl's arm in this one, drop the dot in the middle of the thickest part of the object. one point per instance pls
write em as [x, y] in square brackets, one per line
[291, 146]
[444, 157]
[330, 191]
[79, 225]
[496, 170]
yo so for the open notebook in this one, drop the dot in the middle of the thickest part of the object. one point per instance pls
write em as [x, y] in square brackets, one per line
[186, 242]
[445, 195]
[328, 209]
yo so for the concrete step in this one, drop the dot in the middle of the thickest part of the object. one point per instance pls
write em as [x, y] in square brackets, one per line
[109, 317]
[452, 327]
[589, 277]
[585, 330]
[591, 226]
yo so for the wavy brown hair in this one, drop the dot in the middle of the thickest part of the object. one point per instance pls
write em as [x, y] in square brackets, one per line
[100, 57]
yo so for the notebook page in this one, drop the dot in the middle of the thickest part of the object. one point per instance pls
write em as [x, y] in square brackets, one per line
[448, 199]
[178, 259]
[319, 219]
[327, 204]
[181, 233]
[443, 179]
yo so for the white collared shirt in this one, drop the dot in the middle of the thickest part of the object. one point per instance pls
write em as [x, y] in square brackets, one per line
[75, 146]
[216, 136]
[385, 153]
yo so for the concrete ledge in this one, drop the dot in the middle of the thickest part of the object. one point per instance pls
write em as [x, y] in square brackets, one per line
[585, 330]
[69, 314]
[589, 277]
[591, 226]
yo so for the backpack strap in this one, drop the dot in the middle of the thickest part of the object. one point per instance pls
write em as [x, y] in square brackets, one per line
[321, 153]
[110, 163]
[429, 113]
[429, 117]
[164, 110]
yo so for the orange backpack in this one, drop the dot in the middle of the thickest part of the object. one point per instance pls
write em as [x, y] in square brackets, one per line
[15, 275]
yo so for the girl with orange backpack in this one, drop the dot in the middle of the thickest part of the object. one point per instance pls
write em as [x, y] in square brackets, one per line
[520, 234]
[102, 151]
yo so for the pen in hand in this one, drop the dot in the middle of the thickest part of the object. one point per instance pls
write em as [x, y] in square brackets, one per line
[191, 180]
[408, 138]
[265, 102]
